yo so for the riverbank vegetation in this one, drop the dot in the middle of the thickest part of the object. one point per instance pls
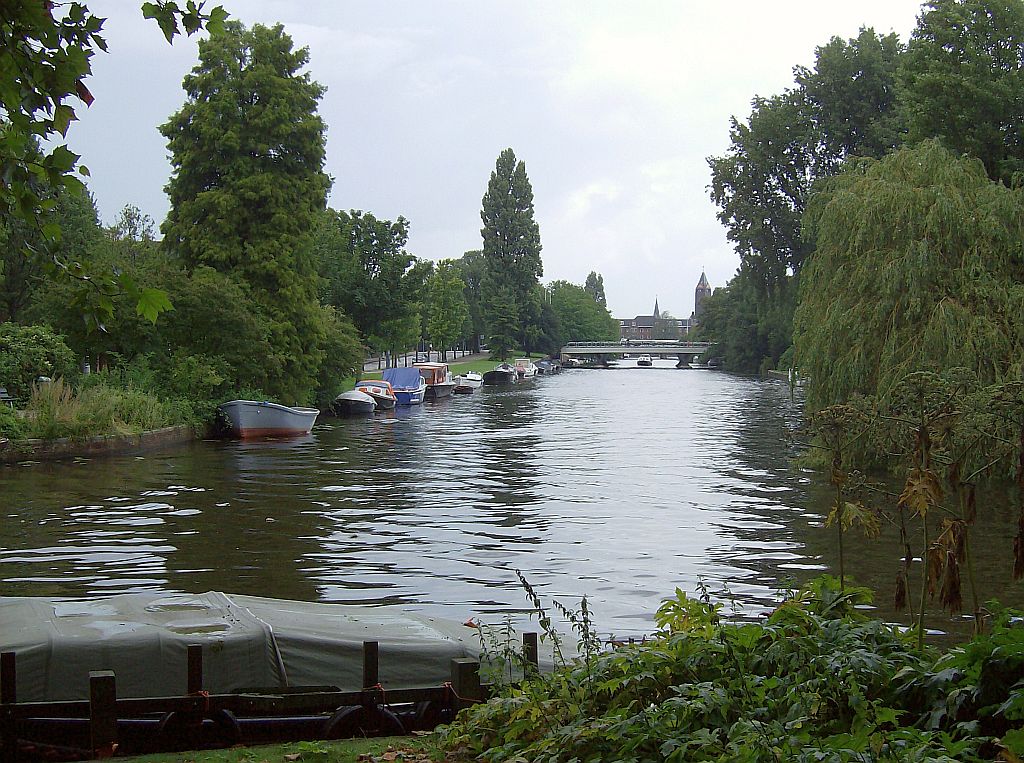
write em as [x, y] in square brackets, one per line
[815, 679]
[257, 288]
[874, 180]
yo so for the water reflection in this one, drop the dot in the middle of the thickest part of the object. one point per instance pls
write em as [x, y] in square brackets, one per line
[620, 485]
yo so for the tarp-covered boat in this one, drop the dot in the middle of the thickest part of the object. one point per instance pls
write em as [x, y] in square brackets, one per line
[408, 385]
[247, 641]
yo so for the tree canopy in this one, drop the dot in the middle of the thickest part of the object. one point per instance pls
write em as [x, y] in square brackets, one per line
[581, 318]
[45, 58]
[511, 248]
[919, 265]
[594, 286]
[961, 81]
[247, 152]
[447, 311]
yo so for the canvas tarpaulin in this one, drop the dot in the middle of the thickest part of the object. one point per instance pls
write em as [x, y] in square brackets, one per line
[248, 642]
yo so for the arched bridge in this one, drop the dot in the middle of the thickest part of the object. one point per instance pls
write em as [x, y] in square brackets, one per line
[685, 351]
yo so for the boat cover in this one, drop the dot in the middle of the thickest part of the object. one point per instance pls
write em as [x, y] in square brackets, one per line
[403, 378]
[248, 642]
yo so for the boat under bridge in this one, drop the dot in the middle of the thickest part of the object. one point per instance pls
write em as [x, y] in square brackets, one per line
[600, 352]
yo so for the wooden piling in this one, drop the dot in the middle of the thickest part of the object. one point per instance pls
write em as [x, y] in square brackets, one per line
[466, 681]
[8, 696]
[371, 664]
[102, 713]
[194, 682]
[531, 651]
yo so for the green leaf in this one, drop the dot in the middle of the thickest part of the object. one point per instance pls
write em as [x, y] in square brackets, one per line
[151, 303]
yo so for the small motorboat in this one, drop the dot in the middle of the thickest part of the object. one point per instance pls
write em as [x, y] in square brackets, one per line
[408, 385]
[438, 378]
[380, 391]
[525, 368]
[503, 373]
[644, 361]
[259, 418]
[354, 403]
[468, 383]
[548, 367]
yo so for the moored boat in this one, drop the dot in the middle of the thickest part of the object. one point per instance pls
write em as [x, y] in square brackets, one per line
[525, 368]
[547, 367]
[644, 361]
[467, 383]
[380, 391]
[503, 373]
[260, 418]
[408, 385]
[438, 378]
[353, 403]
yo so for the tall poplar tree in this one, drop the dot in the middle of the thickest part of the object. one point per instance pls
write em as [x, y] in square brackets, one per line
[247, 151]
[511, 248]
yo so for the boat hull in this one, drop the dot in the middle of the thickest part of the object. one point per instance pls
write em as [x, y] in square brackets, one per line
[409, 397]
[500, 377]
[383, 402]
[254, 418]
[354, 403]
[466, 384]
[438, 391]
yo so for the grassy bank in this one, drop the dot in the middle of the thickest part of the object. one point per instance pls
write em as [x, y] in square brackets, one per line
[404, 749]
[59, 410]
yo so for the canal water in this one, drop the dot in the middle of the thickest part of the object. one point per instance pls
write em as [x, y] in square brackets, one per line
[620, 485]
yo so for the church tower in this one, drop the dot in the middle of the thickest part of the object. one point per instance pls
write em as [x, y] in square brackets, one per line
[702, 292]
[657, 314]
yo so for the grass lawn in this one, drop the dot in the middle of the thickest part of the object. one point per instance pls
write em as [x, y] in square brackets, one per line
[391, 749]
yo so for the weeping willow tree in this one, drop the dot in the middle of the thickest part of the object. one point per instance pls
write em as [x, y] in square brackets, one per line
[919, 265]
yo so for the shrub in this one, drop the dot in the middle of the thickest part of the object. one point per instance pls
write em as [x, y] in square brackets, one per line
[28, 352]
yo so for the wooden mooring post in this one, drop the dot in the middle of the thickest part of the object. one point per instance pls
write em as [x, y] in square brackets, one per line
[531, 651]
[466, 682]
[194, 682]
[102, 713]
[8, 696]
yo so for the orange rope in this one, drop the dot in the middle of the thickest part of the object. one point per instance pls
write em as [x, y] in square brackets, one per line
[448, 685]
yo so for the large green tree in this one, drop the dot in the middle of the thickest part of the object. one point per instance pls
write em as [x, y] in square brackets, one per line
[511, 247]
[844, 106]
[962, 78]
[919, 265]
[247, 152]
[473, 269]
[581, 318]
[447, 311]
[594, 286]
[367, 273]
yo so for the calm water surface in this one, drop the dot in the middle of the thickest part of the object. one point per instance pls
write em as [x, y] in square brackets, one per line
[617, 484]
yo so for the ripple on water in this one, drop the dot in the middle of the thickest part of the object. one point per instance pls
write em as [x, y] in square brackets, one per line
[620, 485]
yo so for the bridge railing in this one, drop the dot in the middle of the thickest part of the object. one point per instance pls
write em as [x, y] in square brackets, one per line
[641, 343]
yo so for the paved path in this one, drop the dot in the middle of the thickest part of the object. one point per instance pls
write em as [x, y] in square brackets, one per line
[375, 364]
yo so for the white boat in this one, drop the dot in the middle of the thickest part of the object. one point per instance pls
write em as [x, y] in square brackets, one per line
[380, 391]
[467, 383]
[503, 373]
[259, 418]
[407, 383]
[525, 368]
[353, 403]
[438, 378]
[644, 361]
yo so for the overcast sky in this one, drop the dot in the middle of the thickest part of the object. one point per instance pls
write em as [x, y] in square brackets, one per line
[614, 107]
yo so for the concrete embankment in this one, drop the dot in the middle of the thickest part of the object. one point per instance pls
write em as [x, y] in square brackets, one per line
[53, 450]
